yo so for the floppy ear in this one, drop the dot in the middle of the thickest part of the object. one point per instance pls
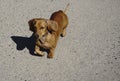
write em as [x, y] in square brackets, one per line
[52, 25]
[31, 25]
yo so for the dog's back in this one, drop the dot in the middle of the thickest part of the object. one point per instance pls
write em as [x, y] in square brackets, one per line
[61, 18]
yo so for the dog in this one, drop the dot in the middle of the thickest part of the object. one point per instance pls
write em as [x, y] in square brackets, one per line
[47, 31]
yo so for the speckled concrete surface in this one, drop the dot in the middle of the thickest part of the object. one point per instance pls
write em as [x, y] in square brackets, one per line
[89, 52]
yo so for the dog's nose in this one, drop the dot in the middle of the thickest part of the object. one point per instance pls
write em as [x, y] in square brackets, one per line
[37, 36]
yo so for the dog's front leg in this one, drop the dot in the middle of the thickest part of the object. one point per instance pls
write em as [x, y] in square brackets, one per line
[37, 49]
[51, 49]
[51, 53]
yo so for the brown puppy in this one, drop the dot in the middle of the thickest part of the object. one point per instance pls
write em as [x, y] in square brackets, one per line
[47, 32]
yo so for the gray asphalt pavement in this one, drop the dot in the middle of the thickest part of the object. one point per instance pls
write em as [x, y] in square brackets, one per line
[89, 52]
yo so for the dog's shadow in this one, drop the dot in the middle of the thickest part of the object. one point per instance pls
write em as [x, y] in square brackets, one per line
[25, 42]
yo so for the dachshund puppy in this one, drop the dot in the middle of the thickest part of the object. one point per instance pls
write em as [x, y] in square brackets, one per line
[47, 32]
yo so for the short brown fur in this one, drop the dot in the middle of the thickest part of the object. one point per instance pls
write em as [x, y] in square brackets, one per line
[47, 32]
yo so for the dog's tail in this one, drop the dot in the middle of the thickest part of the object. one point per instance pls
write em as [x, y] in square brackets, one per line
[66, 8]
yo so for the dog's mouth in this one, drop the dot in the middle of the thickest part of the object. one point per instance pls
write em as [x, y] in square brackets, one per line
[42, 39]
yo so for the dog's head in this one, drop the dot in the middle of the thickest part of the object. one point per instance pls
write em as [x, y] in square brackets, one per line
[40, 27]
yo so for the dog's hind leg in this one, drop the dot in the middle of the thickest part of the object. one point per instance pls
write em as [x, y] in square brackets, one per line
[63, 34]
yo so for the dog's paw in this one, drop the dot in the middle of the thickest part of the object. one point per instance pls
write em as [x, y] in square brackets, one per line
[50, 56]
[63, 34]
[39, 53]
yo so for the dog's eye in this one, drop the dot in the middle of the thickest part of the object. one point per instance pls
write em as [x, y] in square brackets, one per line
[42, 28]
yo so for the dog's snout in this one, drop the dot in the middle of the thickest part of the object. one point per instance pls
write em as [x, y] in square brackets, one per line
[37, 36]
